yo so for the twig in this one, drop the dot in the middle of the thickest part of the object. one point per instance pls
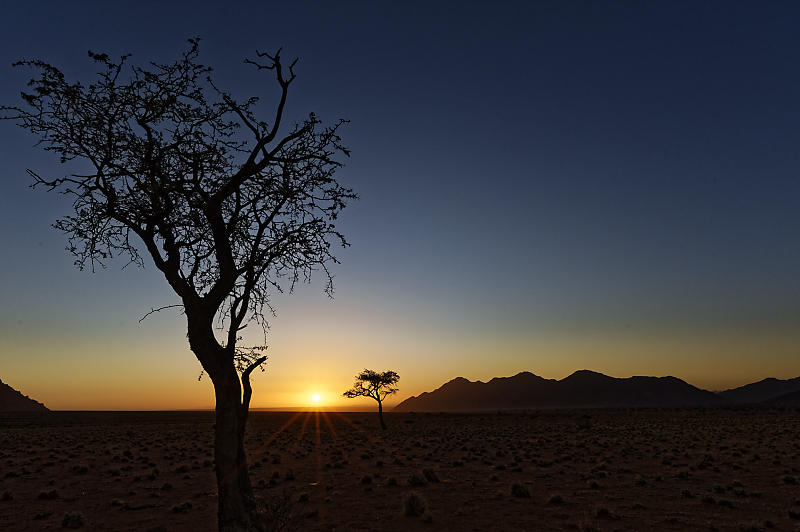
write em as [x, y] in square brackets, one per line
[159, 309]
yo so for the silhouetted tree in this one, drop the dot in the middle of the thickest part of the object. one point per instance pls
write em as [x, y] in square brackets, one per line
[227, 206]
[375, 385]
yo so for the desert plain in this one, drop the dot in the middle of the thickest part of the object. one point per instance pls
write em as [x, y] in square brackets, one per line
[638, 469]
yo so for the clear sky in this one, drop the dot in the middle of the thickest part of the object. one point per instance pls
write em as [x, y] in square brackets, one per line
[545, 186]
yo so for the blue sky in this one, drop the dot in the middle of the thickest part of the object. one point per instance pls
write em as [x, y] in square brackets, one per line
[544, 187]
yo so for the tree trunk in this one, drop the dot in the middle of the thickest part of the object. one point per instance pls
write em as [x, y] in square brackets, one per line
[380, 415]
[236, 504]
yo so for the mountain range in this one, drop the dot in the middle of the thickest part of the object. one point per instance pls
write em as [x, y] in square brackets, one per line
[582, 389]
[761, 391]
[13, 401]
[589, 389]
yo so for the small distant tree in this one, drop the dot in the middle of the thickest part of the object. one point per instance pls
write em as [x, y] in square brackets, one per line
[375, 385]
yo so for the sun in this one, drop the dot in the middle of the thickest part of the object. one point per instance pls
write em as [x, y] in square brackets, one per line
[315, 398]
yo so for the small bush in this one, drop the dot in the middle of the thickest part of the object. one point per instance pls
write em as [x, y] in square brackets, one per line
[278, 512]
[605, 513]
[7, 496]
[416, 481]
[72, 520]
[518, 490]
[182, 508]
[430, 475]
[556, 499]
[48, 495]
[414, 505]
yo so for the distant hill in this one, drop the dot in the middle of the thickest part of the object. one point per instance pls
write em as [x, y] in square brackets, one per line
[791, 399]
[13, 401]
[582, 389]
[761, 391]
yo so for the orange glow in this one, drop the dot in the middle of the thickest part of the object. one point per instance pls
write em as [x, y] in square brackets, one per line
[102, 373]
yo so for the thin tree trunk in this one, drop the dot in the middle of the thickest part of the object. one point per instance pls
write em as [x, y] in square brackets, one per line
[380, 414]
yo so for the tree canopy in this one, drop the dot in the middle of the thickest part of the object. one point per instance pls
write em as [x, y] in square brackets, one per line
[227, 207]
[372, 384]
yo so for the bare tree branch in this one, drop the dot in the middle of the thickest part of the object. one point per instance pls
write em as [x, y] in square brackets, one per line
[159, 309]
[247, 389]
[230, 208]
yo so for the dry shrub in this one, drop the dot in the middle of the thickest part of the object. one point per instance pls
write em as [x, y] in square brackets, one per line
[414, 504]
[73, 520]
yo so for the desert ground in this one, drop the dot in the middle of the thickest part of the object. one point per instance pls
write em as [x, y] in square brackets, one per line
[682, 469]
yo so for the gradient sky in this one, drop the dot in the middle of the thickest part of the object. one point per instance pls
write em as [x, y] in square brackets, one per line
[544, 186]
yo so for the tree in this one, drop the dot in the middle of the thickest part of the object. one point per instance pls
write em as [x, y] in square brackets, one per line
[375, 385]
[228, 207]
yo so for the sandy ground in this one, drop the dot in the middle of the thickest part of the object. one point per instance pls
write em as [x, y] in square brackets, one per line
[548, 470]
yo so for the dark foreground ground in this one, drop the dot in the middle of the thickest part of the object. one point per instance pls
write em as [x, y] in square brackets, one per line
[553, 470]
